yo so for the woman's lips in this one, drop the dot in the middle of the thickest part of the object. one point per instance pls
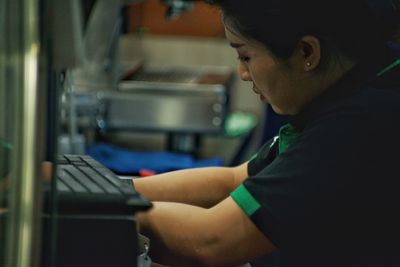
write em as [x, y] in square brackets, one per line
[262, 98]
[256, 91]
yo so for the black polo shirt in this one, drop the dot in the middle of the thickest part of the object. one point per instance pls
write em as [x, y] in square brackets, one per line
[330, 195]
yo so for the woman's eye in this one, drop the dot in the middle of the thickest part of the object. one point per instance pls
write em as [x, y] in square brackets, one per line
[244, 58]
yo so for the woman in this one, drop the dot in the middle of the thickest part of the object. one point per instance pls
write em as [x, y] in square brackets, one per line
[323, 193]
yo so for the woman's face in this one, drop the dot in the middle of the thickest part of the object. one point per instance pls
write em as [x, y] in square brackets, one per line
[276, 82]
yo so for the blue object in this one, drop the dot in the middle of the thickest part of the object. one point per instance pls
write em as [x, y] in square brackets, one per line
[273, 122]
[395, 48]
[124, 161]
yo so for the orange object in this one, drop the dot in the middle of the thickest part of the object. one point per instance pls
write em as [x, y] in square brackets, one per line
[146, 172]
[202, 21]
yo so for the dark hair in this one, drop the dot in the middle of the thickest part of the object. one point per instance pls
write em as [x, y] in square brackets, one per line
[344, 27]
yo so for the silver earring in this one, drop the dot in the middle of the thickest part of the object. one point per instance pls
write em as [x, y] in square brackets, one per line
[308, 64]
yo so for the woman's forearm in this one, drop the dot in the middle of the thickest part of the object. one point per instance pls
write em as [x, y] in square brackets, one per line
[201, 187]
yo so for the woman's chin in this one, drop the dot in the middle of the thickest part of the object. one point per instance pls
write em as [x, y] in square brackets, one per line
[278, 110]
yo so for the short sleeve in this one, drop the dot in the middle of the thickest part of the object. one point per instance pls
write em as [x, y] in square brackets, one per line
[264, 156]
[296, 198]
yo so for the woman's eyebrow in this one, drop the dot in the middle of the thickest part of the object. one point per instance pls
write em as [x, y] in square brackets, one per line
[236, 45]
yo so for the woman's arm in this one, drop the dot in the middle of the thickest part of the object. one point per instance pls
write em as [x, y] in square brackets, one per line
[185, 235]
[202, 187]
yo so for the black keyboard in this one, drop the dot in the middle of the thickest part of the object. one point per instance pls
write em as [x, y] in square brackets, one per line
[85, 186]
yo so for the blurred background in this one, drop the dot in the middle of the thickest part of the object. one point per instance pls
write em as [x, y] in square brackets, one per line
[142, 87]
[159, 76]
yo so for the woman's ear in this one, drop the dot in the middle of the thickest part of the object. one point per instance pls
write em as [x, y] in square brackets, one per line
[309, 52]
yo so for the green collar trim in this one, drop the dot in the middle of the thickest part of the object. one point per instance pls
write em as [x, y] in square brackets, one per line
[287, 135]
[389, 67]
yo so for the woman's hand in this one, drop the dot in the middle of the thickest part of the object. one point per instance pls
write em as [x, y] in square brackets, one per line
[46, 174]
[47, 167]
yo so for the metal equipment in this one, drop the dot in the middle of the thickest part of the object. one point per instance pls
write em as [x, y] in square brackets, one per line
[171, 99]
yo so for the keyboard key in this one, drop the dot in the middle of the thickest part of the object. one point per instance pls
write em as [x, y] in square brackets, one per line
[73, 158]
[86, 181]
[93, 163]
[124, 186]
[106, 185]
[79, 163]
[61, 186]
[62, 160]
[68, 179]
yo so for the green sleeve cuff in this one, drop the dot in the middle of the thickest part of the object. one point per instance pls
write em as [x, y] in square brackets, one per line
[245, 200]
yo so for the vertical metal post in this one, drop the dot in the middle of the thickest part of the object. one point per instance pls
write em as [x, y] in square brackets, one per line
[21, 55]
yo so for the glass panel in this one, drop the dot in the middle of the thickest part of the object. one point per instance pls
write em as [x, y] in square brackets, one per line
[19, 161]
[6, 128]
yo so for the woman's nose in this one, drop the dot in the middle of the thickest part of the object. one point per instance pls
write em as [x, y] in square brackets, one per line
[244, 73]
